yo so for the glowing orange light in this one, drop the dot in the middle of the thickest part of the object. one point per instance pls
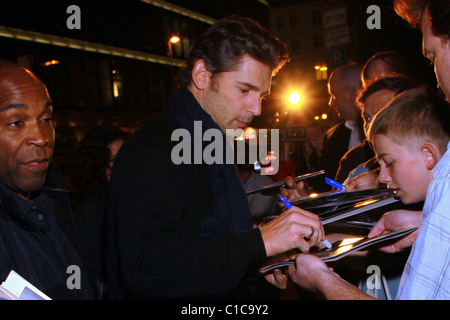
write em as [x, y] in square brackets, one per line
[365, 203]
[51, 62]
[174, 39]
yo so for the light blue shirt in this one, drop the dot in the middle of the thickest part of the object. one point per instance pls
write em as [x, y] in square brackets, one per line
[427, 272]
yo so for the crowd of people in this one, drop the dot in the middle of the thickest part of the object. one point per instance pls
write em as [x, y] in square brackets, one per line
[139, 226]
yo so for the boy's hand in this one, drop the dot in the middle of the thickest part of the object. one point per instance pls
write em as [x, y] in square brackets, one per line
[368, 180]
[398, 220]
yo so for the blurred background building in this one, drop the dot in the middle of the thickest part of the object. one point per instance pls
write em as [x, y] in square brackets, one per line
[116, 64]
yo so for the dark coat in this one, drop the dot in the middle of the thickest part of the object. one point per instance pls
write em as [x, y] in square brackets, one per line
[153, 245]
[353, 158]
[37, 241]
[335, 145]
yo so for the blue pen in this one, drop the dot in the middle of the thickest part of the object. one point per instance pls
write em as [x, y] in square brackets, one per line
[288, 205]
[334, 184]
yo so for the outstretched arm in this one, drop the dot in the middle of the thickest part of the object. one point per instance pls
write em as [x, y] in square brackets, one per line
[312, 274]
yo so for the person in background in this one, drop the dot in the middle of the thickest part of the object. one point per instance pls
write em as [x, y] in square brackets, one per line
[90, 176]
[186, 230]
[401, 148]
[371, 100]
[381, 64]
[385, 63]
[433, 19]
[344, 85]
[37, 237]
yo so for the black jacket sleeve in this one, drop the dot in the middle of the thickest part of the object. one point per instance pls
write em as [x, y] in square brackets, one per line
[157, 206]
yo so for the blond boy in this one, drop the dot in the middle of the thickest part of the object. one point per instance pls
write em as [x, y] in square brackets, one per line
[411, 140]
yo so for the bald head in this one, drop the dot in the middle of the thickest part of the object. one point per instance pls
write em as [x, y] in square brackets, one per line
[11, 74]
[349, 74]
[26, 129]
[343, 86]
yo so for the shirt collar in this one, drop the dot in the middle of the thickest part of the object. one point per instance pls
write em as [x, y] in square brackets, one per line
[19, 208]
[351, 124]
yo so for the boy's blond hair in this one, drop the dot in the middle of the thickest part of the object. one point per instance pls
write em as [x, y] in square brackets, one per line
[414, 117]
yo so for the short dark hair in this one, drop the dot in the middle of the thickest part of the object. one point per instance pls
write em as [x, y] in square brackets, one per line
[396, 84]
[397, 63]
[226, 41]
[87, 175]
[414, 117]
[413, 10]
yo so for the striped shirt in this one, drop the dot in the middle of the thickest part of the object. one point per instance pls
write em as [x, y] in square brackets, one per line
[427, 273]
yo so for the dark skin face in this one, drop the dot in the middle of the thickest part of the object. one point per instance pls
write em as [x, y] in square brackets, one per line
[26, 130]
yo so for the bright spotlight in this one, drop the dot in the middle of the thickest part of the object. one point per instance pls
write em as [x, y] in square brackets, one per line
[174, 39]
[294, 99]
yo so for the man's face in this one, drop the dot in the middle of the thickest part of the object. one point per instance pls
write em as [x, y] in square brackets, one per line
[374, 103]
[342, 100]
[233, 98]
[402, 168]
[26, 131]
[438, 51]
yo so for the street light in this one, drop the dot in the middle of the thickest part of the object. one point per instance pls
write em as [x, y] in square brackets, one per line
[173, 39]
[294, 99]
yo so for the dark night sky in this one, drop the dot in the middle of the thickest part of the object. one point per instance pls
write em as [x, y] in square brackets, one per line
[132, 24]
[136, 25]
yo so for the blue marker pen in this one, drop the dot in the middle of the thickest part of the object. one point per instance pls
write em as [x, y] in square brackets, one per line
[334, 184]
[289, 205]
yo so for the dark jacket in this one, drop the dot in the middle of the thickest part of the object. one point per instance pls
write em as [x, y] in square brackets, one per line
[335, 145]
[153, 245]
[353, 158]
[33, 243]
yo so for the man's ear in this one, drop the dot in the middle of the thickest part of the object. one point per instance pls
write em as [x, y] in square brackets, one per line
[200, 75]
[430, 154]
[353, 93]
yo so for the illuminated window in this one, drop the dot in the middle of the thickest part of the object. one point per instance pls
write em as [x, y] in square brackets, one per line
[321, 71]
[117, 83]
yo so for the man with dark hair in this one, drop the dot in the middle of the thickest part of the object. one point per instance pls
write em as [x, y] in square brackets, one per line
[186, 230]
[385, 63]
[371, 100]
[414, 159]
[433, 18]
[37, 239]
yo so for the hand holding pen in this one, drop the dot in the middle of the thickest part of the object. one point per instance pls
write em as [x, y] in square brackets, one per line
[293, 229]
[292, 190]
[289, 205]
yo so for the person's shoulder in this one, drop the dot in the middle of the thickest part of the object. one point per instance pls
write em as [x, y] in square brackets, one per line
[336, 128]
[156, 132]
[160, 125]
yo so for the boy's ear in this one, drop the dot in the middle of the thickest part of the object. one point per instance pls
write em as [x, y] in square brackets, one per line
[200, 75]
[431, 155]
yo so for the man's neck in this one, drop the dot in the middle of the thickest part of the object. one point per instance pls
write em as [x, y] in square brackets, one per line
[24, 195]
